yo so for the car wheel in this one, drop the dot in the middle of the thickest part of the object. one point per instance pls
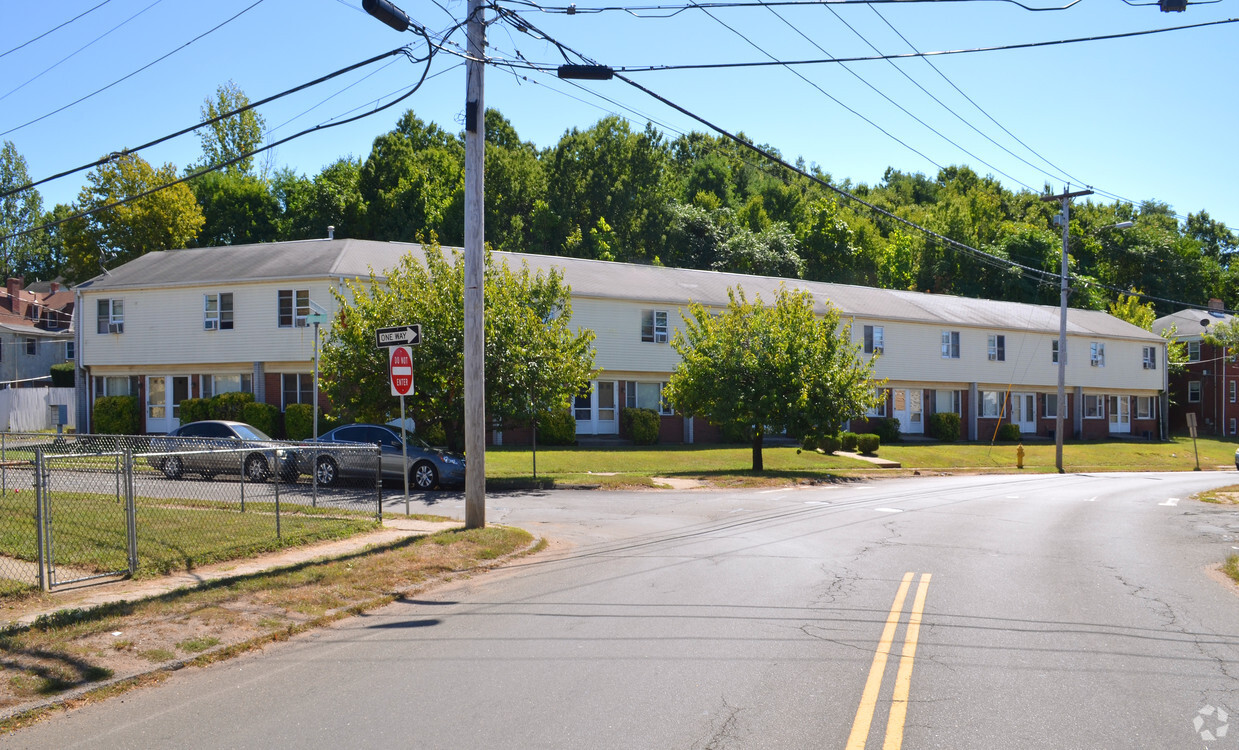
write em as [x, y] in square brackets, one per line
[256, 468]
[326, 472]
[424, 476]
[172, 467]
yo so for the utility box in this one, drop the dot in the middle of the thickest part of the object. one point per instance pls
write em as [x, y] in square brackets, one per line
[58, 414]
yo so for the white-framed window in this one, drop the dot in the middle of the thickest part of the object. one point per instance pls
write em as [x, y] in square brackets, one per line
[991, 403]
[1144, 407]
[293, 307]
[1054, 352]
[950, 344]
[1051, 405]
[52, 319]
[996, 346]
[217, 311]
[1231, 391]
[213, 385]
[32, 346]
[1149, 357]
[875, 340]
[1097, 354]
[1094, 406]
[1232, 425]
[948, 401]
[878, 409]
[114, 385]
[1193, 392]
[654, 326]
[1193, 351]
[296, 388]
[646, 396]
[70, 350]
[110, 316]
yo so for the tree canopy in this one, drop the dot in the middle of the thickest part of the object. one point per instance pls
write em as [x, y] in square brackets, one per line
[764, 368]
[533, 356]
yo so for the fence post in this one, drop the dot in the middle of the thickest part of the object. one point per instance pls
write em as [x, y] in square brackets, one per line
[242, 455]
[41, 546]
[4, 469]
[275, 479]
[378, 479]
[131, 514]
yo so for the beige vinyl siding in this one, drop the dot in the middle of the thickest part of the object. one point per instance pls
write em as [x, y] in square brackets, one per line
[166, 325]
[617, 328]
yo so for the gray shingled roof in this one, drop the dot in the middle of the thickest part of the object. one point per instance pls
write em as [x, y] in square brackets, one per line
[1191, 324]
[349, 258]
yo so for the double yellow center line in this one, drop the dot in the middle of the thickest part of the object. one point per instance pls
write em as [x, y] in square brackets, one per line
[903, 679]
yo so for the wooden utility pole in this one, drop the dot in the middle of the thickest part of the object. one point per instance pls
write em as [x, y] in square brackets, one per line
[1059, 418]
[475, 269]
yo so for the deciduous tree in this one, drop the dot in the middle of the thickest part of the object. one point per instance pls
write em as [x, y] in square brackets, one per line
[770, 368]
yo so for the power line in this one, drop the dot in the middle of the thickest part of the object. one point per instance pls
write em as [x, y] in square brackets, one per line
[79, 49]
[246, 155]
[132, 74]
[668, 11]
[204, 123]
[55, 28]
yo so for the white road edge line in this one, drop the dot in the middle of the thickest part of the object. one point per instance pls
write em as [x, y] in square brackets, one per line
[1171, 502]
[1089, 499]
[888, 510]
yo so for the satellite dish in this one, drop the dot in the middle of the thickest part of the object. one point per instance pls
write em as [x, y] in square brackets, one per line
[1204, 322]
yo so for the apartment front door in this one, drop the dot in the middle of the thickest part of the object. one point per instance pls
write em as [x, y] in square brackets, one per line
[164, 394]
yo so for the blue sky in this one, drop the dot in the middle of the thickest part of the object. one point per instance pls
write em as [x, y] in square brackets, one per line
[1148, 117]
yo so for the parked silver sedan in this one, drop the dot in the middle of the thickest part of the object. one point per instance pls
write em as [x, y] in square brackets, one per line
[427, 467]
[217, 446]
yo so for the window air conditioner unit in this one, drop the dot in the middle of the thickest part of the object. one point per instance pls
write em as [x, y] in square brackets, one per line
[116, 327]
[211, 325]
[660, 338]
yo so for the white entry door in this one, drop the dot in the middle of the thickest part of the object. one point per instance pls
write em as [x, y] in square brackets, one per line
[164, 394]
[909, 409]
[596, 412]
[1120, 414]
[1024, 412]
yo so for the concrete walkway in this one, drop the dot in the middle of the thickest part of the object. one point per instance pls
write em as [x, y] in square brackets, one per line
[107, 591]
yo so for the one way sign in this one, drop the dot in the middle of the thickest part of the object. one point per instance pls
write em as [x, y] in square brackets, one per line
[398, 336]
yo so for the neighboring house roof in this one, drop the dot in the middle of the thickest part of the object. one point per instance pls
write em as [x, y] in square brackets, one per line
[26, 311]
[350, 258]
[1191, 324]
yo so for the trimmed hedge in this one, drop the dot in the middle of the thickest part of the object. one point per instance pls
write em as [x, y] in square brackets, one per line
[263, 416]
[737, 433]
[299, 421]
[847, 441]
[887, 430]
[829, 444]
[944, 426]
[195, 410]
[1009, 432]
[63, 375]
[557, 428]
[117, 415]
[868, 443]
[231, 406]
[641, 425]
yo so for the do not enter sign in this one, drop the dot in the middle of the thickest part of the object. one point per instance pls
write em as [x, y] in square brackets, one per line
[400, 367]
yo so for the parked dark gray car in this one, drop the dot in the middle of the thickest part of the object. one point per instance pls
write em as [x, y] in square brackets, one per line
[427, 467]
[210, 447]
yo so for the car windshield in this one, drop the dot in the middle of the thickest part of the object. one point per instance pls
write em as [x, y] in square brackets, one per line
[247, 432]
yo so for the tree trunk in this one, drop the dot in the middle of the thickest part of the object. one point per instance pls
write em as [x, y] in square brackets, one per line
[757, 440]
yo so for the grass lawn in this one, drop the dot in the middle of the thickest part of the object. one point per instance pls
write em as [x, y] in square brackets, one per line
[637, 466]
[89, 531]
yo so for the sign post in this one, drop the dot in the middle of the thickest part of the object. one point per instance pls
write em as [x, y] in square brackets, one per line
[1191, 427]
[400, 372]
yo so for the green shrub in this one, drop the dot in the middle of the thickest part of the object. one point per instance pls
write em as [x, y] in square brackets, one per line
[829, 444]
[887, 430]
[433, 434]
[117, 415]
[299, 421]
[809, 443]
[847, 441]
[868, 443]
[263, 416]
[944, 426]
[641, 425]
[63, 375]
[737, 433]
[1009, 432]
[195, 410]
[231, 406]
[557, 428]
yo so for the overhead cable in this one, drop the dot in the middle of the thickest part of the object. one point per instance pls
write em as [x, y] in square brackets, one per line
[55, 28]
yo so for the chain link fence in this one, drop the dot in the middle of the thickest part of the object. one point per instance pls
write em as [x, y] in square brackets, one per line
[78, 507]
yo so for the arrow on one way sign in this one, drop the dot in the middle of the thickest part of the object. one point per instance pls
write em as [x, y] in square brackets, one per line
[398, 336]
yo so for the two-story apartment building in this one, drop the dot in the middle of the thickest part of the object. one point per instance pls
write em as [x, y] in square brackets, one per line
[195, 322]
[1208, 385]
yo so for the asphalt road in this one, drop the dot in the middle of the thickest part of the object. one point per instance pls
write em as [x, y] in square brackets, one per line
[954, 612]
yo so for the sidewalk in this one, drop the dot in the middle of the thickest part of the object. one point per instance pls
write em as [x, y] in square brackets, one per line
[95, 593]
